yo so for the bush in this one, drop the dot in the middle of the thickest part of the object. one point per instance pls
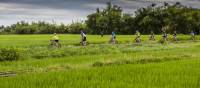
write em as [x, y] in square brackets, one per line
[9, 54]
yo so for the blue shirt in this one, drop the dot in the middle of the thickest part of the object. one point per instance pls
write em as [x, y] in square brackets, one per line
[113, 34]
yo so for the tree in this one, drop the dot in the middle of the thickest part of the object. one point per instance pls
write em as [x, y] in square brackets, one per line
[107, 20]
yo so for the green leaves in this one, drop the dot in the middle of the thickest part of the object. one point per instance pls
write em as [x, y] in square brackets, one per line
[109, 19]
[10, 54]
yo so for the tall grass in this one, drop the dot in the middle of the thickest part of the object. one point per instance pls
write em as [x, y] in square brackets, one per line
[102, 65]
[176, 74]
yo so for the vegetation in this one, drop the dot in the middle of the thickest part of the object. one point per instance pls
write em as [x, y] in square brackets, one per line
[152, 18]
[27, 61]
[9, 54]
[151, 64]
[167, 17]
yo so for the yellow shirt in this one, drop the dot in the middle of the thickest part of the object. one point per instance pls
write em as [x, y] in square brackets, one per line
[137, 34]
[55, 37]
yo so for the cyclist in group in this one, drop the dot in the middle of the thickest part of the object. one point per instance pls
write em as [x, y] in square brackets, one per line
[165, 36]
[101, 33]
[152, 36]
[192, 35]
[55, 41]
[83, 38]
[175, 36]
[113, 38]
[137, 39]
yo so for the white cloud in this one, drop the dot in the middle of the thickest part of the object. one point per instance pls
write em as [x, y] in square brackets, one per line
[95, 5]
[11, 13]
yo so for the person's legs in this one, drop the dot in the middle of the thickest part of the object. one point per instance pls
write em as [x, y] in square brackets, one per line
[193, 37]
[84, 41]
[136, 40]
[150, 38]
[175, 38]
[113, 40]
[164, 39]
[56, 43]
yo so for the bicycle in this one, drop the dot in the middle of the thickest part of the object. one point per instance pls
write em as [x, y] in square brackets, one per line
[53, 43]
[83, 43]
[152, 37]
[113, 41]
[175, 38]
[137, 40]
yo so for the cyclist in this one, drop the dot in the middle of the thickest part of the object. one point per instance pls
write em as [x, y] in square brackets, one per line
[113, 38]
[55, 41]
[192, 35]
[137, 39]
[101, 33]
[164, 36]
[175, 36]
[152, 36]
[83, 38]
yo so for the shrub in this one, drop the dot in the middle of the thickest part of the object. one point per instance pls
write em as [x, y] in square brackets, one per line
[10, 54]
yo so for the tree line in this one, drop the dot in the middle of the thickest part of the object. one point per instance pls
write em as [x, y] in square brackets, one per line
[41, 27]
[168, 17]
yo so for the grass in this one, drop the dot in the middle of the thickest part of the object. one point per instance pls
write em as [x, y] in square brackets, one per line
[175, 74]
[101, 65]
[43, 40]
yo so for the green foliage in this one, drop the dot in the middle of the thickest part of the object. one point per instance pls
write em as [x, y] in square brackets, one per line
[43, 52]
[36, 28]
[106, 20]
[173, 17]
[10, 54]
[75, 28]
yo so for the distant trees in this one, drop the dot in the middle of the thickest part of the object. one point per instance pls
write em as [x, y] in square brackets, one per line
[155, 18]
[42, 27]
[107, 20]
[169, 17]
[152, 18]
[75, 28]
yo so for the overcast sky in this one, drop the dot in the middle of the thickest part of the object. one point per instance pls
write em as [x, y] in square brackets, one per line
[64, 11]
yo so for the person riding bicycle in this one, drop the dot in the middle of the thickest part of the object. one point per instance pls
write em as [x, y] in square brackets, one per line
[113, 38]
[55, 41]
[102, 34]
[83, 38]
[152, 36]
[175, 36]
[164, 36]
[192, 35]
[137, 39]
[55, 38]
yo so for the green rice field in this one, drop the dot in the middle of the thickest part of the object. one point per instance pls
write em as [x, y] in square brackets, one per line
[100, 64]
